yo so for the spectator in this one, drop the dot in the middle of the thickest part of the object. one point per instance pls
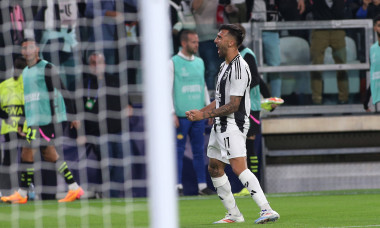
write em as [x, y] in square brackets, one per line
[44, 108]
[189, 91]
[102, 91]
[106, 35]
[109, 14]
[294, 10]
[374, 86]
[18, 18]
[205, 14]
[55, 29]
[12, 103]
[323, 38]
[236, 11]
[263, 10]
[182, 19]
[362, 12]
[373, 9]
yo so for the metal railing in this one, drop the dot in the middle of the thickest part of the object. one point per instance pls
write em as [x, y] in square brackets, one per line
[258, 27]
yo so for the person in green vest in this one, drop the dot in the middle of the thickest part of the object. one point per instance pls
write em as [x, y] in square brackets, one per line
[374, 58]
[45, 109]
[12, 103]
[189, 92]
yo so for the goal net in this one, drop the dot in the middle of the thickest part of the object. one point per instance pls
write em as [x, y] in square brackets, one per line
[108, 61]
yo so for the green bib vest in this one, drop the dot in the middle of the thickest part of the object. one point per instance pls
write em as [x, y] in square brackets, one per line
[255, 91]
[37, 106]
[189, 85]
[12, 102]
[375, 72]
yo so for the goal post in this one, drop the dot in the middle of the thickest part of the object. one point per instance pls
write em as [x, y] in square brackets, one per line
[161, 160]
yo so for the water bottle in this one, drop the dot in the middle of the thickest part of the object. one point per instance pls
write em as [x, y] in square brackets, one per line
[31, 192]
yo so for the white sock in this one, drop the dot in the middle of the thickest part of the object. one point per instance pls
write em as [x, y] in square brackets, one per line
[202, 186]
[223, 188]
[179, 186]
[73, 186]
[249, 180]
[23, 192]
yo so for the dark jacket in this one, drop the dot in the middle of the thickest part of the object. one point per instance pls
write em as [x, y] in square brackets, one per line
[111, 101]
[321, 11]
[372, 10]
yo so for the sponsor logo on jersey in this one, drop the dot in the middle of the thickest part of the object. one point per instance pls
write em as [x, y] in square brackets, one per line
[32, 97]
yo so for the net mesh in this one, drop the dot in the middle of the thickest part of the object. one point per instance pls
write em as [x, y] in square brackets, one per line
[107, 161]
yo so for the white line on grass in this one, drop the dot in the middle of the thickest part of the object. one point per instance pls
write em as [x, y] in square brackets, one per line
[352, 226]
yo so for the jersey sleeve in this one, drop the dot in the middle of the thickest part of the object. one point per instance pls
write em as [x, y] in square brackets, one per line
[240, 78]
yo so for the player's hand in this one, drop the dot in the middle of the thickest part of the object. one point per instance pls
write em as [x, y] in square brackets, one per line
[301, 6]
[20, 132]
[75, 124]
[128, 111]
[81, 140]
[368, 110]
[194, 115]
[176, 121]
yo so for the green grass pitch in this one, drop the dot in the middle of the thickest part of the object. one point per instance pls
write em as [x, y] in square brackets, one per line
[353, 208]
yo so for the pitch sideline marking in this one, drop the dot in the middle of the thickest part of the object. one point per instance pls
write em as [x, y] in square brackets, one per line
[352, 226]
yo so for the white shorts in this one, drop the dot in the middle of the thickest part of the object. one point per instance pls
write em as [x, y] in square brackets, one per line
[226, 145]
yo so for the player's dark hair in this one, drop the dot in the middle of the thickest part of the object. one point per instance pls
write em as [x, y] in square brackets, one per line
[242, 29]
[20, 63]
[185, 33]
[376, 18]
[235, 32]
[28, 40]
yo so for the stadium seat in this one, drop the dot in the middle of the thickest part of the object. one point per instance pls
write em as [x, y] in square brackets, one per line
[295, 51]
[329, 77]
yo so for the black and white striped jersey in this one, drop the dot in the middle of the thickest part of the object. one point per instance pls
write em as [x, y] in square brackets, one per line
[233, 80]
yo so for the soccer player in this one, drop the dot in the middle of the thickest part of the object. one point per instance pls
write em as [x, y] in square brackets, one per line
[12, 103]
[227, 143]
[44, 107]
[374, 87]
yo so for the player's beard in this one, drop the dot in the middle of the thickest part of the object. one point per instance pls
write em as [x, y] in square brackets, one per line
[191, 51]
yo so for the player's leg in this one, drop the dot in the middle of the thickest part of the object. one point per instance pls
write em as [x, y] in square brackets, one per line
[252, 157]
[182, 131]
[46, 135]
[220, 180]
[197, 146]
[5, 162]
[249, 180]
[50, 154]
[223, 189]
[237, 159]
[116, 169]
[26, 175]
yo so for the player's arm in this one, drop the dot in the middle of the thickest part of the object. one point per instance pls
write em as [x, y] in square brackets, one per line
[52, 81]
[209, 107]
[367, 98]
[3, 114]
[251, 61]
